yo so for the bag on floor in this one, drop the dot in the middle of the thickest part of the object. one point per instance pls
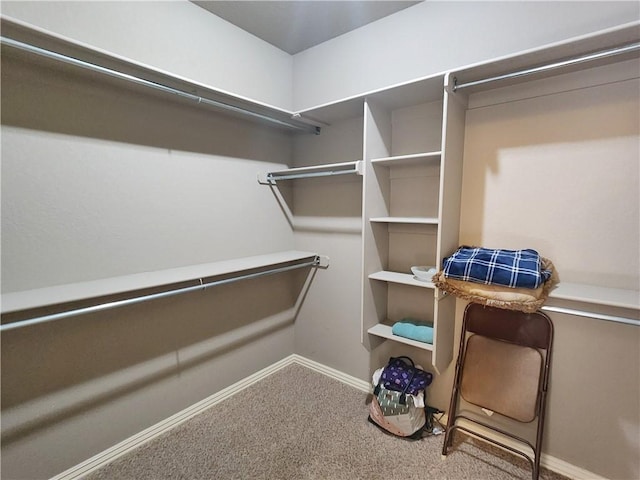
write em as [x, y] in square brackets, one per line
[402, 375]
[386, 412]
[393, 406]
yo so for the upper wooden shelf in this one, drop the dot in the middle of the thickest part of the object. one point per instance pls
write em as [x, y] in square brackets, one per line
[407, 160]
[613, 297]
[58, 294]
[548, 55]
[27, 41]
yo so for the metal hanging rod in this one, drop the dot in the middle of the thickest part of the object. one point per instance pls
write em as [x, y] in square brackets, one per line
[597, 316]
[271, 177]
[552, 66]
[317, 261]
[158, 86]
[311, 172]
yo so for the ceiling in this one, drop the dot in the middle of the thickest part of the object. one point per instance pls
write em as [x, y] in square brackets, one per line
[294, 26]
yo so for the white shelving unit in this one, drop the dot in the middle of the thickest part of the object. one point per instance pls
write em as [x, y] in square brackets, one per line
[413, 160]
[413, 164]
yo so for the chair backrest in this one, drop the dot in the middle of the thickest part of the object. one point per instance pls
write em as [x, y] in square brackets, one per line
[505, 361]
[529, 329]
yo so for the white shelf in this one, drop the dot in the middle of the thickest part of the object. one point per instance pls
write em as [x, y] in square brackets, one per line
[405, 160]
[402, 278]
[412, 92]
[327, 224]
[38, 42]
[411, 220]
[614, 297]
[41, 297]
[548, 54]
[384, 331]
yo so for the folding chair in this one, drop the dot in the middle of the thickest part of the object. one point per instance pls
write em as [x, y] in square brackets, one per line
[502, 367]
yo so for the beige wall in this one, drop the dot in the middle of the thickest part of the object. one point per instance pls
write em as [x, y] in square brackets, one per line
[100, 181]
[328, 327]
[176, 36]
[73, 388]
[556, 169]
[436, 36]
[559, 172]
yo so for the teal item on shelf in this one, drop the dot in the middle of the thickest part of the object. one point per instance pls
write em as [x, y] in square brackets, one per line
[414, 330]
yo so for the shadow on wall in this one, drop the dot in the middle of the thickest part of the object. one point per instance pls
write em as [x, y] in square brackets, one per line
[53, 97]
[331, 204]
[308, 207]
[525, 154]
[61, 369]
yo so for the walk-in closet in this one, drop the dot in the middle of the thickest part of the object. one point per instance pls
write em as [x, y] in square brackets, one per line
[188, 209]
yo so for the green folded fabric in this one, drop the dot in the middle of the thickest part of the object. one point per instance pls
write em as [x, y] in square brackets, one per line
[414, 329]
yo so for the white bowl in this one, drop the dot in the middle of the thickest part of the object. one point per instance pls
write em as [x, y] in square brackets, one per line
[424, 273]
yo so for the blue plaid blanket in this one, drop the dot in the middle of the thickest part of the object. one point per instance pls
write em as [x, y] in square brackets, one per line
[510, 268]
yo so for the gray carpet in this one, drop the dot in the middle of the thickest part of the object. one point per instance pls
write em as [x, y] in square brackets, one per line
[300, 424]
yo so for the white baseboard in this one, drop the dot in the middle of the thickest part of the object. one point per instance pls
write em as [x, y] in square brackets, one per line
[547, 461]
[567, 469]
[135, 441]
[361, 385]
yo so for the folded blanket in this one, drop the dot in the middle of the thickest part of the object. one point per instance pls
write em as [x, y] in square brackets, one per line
[522, 299]
[413, 329]
[510, 268]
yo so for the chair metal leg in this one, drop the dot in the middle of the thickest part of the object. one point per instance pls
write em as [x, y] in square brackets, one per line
[453, 404]
[448, 436]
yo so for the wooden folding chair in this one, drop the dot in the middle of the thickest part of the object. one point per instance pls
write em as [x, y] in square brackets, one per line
[502, 367]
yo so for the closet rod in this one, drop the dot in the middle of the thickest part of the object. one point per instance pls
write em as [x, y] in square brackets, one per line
[597, 316]
[274, 178]
[153, 296]
[148, 83]
[543, 68]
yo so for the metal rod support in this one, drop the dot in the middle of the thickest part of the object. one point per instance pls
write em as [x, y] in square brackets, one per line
[552, 66]
[597, 316]
[148, 83]
[154, 296]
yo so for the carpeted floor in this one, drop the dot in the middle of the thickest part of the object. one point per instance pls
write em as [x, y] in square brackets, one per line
[300, 424]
